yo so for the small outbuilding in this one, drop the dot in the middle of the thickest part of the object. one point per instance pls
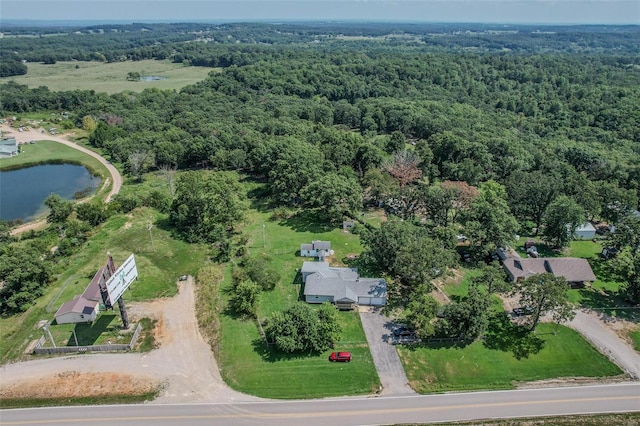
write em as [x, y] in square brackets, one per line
[77, 310]
[319, 249]
[8, 148]
[586, 231]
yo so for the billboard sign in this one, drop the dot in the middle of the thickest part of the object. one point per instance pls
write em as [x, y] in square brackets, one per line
[121, 279]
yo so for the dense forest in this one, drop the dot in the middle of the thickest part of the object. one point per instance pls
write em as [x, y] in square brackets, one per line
[474, 130]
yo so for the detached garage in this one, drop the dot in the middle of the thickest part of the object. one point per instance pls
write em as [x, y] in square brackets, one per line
[586, 231]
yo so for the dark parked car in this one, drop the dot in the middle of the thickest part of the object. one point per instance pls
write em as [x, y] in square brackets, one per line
[526, 310]
[340, 357]
[403, 332]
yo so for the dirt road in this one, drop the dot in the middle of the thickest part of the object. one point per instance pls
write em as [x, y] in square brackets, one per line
[183, 363]
[607, 341]
[29, 135]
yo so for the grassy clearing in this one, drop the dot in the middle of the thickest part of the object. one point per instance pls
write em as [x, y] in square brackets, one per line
[634, 335]
[131, 398]
[247, 365]
[551, 352]
[158, 268]
[109, 77]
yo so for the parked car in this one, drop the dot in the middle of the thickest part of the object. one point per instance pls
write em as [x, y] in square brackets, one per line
[183, 278]
[403, 332]
[525, 310]
[340, 357]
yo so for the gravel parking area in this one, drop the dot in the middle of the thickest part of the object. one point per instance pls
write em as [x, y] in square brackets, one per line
[378, 329]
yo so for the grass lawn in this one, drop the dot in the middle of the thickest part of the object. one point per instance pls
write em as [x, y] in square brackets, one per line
[442, 367]
[246, 364]
[109, 77]
[158, 268]
[635, 338]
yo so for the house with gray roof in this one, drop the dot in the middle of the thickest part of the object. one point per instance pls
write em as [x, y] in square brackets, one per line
[342, 286]
[575, 270]
[8, 148]
[319, 249]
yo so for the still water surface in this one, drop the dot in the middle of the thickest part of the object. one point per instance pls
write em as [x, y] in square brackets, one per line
[23, 191]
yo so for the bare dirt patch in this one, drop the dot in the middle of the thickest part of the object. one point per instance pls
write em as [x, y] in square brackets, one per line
[73, 384]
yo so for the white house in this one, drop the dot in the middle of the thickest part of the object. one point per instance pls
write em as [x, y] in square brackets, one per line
[77, 310]
[319, 249]
[586, 231]
[341, 286]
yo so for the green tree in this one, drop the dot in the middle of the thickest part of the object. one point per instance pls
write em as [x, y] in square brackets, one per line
[530, 193]
[626, 238]
[244, 298]
[493, 277]
[59, 209]
[468, 318]
[207, 206]
[25, 274]
[259, 270]
[94, 213]
[545, 293]
[88, 123]
[301, 328]
[420, 313]
[408, 253]
[560, 221]
[334, 196]
[488, 223]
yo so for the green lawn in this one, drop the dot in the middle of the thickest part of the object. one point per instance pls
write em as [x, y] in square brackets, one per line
[247, 365]
[109, 77]
[158, 268]
[441, 367]
[635, 338]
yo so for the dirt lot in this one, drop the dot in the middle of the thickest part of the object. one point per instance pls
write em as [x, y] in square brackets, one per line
[183, 365]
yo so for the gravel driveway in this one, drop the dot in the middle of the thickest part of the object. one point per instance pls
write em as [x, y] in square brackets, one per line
[378, 329]
[183, 362]
[607, 342]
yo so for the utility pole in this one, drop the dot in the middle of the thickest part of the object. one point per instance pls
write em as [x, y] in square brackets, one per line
[75, 337]
[151, 235]
[45, 328]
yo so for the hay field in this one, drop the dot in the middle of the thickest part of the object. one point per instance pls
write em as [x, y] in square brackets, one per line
[109, 77]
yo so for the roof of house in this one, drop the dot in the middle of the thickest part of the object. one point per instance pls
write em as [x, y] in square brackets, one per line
[344, 284]
[310, 267]
[9, 146]
[321, 245]
[78, 305]
[571, 268]
[92, 292]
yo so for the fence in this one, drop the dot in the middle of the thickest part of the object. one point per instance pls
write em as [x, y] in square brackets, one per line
[39, 350]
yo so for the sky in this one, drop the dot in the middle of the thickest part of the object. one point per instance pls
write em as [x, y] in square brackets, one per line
[479, 11]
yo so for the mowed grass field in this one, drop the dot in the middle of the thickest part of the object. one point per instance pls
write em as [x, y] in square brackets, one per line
[109, 77]
[248, 365]
[443, 367]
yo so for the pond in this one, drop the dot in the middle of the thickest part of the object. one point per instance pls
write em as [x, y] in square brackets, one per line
[23, 191]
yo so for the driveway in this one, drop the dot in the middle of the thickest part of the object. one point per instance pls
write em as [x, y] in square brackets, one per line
[378, 329]
[607, 342]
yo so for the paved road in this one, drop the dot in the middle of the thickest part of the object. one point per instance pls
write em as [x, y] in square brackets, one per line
[26, 136]
[607, 342]
[352, 411]
[378, 329]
